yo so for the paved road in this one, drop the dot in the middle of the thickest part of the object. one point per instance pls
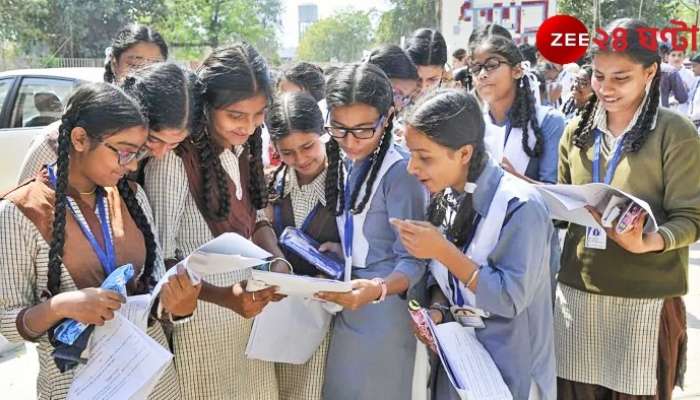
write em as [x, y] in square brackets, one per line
[18, 370]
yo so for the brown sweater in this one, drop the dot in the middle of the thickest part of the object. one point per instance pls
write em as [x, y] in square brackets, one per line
[665, 172]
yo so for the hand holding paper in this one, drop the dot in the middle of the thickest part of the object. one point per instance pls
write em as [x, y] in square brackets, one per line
[179, 295]
[364, 291]
[633, 238]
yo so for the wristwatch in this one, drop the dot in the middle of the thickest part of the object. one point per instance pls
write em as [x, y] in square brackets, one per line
[382, 284]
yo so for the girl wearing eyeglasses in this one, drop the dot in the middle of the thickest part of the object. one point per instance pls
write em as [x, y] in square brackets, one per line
[134, 47]
[78, 220]
[169, 98]
[298, 200]
[521, 133]
[372, 348]
[211, 184]
[579, 93]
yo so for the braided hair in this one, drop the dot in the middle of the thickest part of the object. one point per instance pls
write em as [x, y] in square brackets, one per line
[452, 118]
[291, 113]
[101, 110]
[523, 111]
[229, 75]
[357, 84]
[394, 61]
[128, 37]
[634, 139]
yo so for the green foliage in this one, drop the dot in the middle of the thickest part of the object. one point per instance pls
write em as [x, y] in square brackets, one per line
[405, 17]
[341, 37]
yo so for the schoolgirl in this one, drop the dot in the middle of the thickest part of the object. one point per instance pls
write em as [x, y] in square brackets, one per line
[372, 348]
[428, 51]
[134, 47]
[488, 236]
[521, 134]
[211, 184]
[53, 258]
[298, 200]
[621, 305]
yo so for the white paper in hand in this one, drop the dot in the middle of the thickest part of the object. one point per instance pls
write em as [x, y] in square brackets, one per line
[123, 361]
[289, 331]
[295, 285]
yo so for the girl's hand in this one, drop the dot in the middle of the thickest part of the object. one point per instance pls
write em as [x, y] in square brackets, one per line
[364, 291]
[633, 239]
[420, 238]
[249, 304]
[91, 306]
[332, 247]
[179, 296]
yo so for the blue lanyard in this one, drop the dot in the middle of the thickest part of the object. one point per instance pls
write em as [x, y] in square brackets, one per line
[453, 282]
[107, 256]
[349, 228]
[277, 209]
[612, 165]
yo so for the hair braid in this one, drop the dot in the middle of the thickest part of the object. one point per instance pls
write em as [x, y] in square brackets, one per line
[377, 161]
[583, 134]
[146, 281]
[524, 114]
[334, 180]
[59, 214]
[257, 187]
[635, 138]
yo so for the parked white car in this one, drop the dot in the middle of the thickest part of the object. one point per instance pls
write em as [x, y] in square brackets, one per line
[29, 100]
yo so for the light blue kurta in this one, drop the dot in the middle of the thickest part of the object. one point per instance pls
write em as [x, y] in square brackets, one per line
[372, 350]
[515, 287]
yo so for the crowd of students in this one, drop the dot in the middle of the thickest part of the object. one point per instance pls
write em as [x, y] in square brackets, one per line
[422, 180]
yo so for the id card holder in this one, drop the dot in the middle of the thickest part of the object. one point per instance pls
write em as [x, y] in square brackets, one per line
[468, 316]
[596, 238]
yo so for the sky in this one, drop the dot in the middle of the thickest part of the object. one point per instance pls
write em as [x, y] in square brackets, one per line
[326, 8]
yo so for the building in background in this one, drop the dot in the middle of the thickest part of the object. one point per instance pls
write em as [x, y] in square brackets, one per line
[521, 17]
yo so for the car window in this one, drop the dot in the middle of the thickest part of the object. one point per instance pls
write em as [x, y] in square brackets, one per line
[40, 101]
[5, 85]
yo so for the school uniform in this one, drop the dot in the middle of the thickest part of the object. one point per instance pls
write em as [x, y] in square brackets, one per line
[506, 141]
[210, 349]
[304, 207]
[25, 236]
[372, 349]
[619, 318]
[514, 245]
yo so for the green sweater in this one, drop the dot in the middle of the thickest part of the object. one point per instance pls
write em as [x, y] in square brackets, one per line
[665, 172]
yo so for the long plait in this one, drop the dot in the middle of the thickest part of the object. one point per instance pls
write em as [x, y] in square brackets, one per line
[635, 138]
[583, 134]
[523, 114]
[569, 106]
[212, 174]
[334, 178]
[257, 188]
[460, 227]
[437, 209]
[146, 281]
[377, 160]
[272, 191]
[59, 214]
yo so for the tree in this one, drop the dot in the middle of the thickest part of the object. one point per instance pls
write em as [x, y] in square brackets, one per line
[405, 17]
[341, 37]
[654, 12]
[194, 25]
[69, 28]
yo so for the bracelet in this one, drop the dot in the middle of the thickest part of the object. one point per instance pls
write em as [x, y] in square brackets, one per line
[269, 264]
[472, 277]
[384, 290]
[29, 331]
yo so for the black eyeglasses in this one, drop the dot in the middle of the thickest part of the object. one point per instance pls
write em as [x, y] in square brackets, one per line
[358, 133]
[124, 157]
[490, 65]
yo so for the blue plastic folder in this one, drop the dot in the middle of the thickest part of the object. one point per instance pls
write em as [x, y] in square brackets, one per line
[299, 243]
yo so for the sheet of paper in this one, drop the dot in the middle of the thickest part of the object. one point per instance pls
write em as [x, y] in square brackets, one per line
[567, 202]
[122, 361]
[469, 366]
[298, 285]
[136, 310]
[227, 252]
[289, 331]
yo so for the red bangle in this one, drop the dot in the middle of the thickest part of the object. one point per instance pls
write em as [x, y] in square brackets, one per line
[382, 285]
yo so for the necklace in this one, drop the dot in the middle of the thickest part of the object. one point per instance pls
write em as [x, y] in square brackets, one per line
[88, 193]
